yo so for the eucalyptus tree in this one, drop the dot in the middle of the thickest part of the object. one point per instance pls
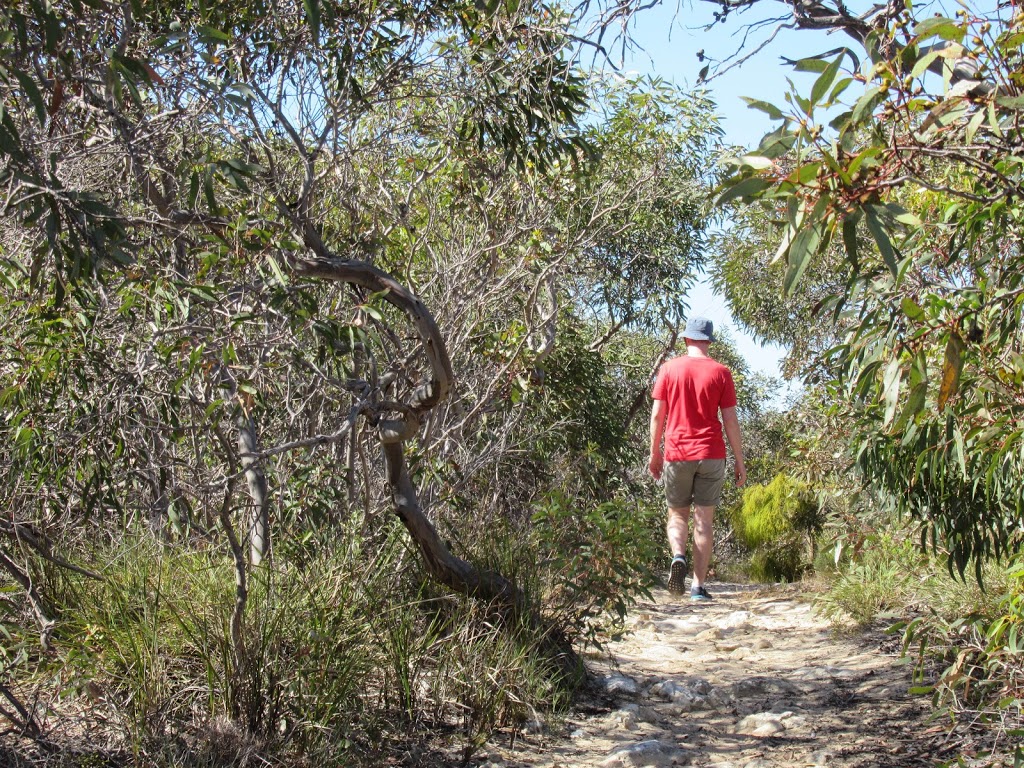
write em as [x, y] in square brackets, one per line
[916, 181]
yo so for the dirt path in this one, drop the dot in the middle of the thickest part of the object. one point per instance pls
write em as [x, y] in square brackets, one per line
[751, 679]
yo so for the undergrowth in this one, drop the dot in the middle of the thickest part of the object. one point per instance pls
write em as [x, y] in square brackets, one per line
[964, 639]
[349, 648]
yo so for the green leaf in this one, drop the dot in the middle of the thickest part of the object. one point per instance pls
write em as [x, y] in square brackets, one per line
[1010, 102]
[33, 95]
[804, 245]
[939, 26]
[961, 451]
[749, 187]
[805, 173]
[850, 237]
[902, 215]
[912, 309]
[840, 87]
[993, 120]
[866, 104]
[276, 269]
[922, 64]
[313, 17]
[210, 33]
[877, 230]
[810, 64]
[973, 125]
[244, 168]
[757, 162]
[891, 389]
[769, 109]
[825, 80]
[915, 404]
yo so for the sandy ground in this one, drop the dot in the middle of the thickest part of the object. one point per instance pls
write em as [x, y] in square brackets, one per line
[751, 679]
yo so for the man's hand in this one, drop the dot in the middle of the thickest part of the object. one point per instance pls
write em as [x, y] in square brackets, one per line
[655, 465]
[741, 474]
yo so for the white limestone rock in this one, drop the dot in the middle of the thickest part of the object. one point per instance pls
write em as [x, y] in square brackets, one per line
[761, 724]
[619, 685]
[645, 754]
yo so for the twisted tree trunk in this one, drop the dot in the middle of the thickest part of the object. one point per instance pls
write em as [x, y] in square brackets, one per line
[444, 567]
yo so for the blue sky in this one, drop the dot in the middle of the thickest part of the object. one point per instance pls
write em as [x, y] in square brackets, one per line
[670, 38]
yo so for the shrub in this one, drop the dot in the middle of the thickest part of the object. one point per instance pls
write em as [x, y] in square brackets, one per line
[777, 523]
[595, 561]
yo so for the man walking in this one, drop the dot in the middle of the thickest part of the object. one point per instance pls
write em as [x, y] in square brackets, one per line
[688, 395]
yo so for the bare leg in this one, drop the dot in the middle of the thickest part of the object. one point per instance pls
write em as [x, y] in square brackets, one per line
[678, 530]
[702, 542]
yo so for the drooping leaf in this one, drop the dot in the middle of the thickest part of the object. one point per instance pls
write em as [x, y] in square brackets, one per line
[805, 245]
[312, 8]
[850, 237]
[878, 232]
[825, 80]
[952, 366]
[891, 389]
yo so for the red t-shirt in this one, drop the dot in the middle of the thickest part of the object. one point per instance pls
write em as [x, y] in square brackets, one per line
[694, 389]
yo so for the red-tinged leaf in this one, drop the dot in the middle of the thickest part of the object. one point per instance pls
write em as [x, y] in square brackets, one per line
[57, 98]
[952, 366]
[154, 77]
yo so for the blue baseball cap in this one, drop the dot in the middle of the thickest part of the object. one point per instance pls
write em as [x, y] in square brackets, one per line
[699, 329]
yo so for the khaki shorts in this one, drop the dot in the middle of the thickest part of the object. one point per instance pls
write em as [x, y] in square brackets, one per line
[694, 482]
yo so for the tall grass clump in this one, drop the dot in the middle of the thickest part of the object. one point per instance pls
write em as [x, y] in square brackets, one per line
[777, 523]
[152, 643]
[889, 575]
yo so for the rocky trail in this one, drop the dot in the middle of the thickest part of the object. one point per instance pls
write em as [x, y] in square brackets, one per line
[751, 679]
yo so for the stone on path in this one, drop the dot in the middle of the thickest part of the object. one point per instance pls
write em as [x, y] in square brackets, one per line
[761, 724]
[688, 697]
[645, 754]
[619, 684]
[769, 723]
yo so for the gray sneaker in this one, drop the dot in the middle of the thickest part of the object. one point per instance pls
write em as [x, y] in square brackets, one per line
[699, 593]
[677, 575]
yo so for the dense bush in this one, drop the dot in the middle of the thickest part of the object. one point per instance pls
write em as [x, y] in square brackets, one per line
[777, 523]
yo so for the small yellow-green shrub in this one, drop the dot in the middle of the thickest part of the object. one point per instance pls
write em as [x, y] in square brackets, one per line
[777, 523]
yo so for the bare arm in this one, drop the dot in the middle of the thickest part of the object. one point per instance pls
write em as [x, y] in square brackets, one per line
[657, 461]
[732, 432]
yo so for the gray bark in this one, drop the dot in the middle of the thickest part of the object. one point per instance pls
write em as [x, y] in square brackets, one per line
[444, 567]
[259, 492]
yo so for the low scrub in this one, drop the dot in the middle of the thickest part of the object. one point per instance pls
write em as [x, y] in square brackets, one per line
[777, 524]
[964, 637]
[344, 649]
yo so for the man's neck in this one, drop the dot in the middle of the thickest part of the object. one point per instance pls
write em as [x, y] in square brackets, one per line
[696, 350]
